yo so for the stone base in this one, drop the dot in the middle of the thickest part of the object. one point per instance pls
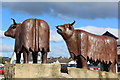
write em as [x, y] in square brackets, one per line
[32, 71]
[51, 71]
[84, 73]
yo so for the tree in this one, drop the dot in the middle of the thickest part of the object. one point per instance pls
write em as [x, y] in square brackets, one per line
[60, 57]
[2, 60]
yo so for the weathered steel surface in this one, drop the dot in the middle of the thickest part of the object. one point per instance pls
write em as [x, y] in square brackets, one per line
[87, 45]
[35, 35]
[30, 35]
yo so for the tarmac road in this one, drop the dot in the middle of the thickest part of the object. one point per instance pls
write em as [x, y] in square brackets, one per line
[1, 77]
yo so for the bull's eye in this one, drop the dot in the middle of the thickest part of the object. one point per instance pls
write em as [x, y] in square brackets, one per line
[13, 27]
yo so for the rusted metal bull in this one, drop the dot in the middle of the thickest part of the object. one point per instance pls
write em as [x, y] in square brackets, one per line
[84, 46]
[30, 35]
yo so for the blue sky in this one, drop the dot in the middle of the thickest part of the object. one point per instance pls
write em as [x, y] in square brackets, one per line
[94, 17]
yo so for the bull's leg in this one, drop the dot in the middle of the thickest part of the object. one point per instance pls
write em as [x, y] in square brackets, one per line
[101, 66]
[44, 57]
[35, 56]
[25, 56]
[81, 62]
[84, 62]
[18, 57]
[96, 63]
[105, 67]
[112, 68]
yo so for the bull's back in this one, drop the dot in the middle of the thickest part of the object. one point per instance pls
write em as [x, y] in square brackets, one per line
[98, 47]
[35, 34]
[43, 32]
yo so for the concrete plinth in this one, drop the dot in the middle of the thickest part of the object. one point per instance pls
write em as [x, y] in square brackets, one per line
[52, 71]
[84, 73]
[32, 71]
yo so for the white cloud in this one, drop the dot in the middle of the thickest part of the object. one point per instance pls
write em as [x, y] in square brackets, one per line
[2, 34]
[60, 49]
[6, 50]
[54, 36]
[65, 10]
[60, 1]
[1, 54]
[6, 54]
[6, 47]
[99, 31]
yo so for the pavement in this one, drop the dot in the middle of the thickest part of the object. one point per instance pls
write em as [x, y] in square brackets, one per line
[65, 75]
[1, 77]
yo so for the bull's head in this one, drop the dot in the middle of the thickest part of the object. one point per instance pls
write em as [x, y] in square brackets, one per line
[65, 30]
[12, 29]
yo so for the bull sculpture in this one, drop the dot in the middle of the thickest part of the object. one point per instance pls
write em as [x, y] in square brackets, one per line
[32, 35]
[84, 46]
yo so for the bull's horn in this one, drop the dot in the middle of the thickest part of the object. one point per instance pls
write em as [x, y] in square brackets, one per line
[13, 21]
[73, 23]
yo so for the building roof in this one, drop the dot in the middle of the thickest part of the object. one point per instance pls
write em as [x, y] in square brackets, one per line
[6, 58]
[110, 35]
[63, 60]
[72, 62]
[50, 61]
[118, 45]
[118, 51]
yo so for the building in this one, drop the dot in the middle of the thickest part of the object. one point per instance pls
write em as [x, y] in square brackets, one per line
[13, 59]
[110, 35]
[59, 61]
[118, 47]
[4, 60]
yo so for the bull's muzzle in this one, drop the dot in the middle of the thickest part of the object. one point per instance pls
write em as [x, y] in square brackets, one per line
[58, 28]
[5, 33]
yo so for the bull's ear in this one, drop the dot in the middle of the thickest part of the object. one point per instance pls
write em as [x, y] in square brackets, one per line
[13, 21]
[70, 27]
[72, 23]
